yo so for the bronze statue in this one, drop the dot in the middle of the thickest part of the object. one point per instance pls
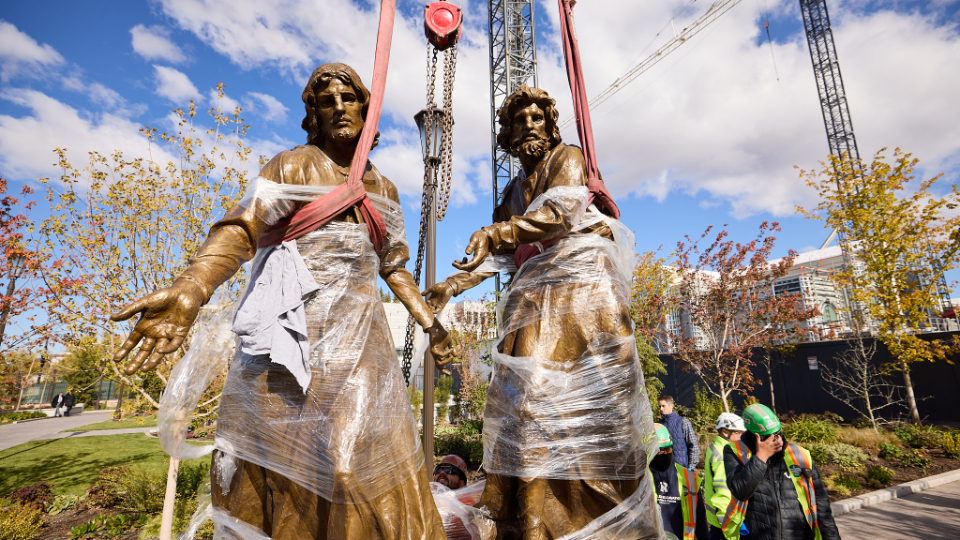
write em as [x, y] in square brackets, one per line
[567, 422]
[315, 437]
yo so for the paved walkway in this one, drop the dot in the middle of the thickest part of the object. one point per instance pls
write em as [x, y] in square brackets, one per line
[931, 514]
[49, 428]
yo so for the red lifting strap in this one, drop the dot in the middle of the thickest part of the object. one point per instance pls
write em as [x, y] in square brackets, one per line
[581, 109]
[319, 212]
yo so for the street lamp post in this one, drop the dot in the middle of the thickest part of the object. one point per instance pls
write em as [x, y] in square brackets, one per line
[430, 123]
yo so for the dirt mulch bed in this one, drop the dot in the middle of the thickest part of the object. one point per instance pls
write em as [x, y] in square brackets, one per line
[939, 464]
[58, 526]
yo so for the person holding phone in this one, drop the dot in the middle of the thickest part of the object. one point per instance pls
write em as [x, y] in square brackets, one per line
[782, 494]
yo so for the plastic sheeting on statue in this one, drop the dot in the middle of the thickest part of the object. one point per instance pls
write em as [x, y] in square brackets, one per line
[350, 436]
[461, 520]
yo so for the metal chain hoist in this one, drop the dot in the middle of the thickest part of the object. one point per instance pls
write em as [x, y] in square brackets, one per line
[442, 26]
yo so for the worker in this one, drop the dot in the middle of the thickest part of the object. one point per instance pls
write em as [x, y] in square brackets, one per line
[677, 492]
[719, 504]
[778, 483]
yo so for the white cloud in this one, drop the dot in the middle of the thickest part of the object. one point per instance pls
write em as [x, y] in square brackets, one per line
[266, 106]
[175, 85]
[710, 118]
[27, 143]
[153, 43]
[20, 54]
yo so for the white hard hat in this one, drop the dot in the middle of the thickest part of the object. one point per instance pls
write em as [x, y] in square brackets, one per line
[730, 421]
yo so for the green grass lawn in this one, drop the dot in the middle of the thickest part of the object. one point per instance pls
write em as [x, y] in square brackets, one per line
[71, 464]
[134, 422]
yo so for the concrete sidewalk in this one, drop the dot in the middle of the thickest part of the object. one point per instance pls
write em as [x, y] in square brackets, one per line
[49, 428]
[931, 514]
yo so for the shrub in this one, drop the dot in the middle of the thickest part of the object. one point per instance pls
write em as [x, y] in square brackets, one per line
[706, 409]
[844, 455]
[61, 503]
[920, 436]
[878, 476]
[890, 451]
[842, 483]
[37, 495]
[865, 438]
[915, 458]
[810, 429]
[951, 445]
[190, 477]
[104, 491]
[20, 522]
[17, 416]
[862, 422]
[468, 448]
[142, 492]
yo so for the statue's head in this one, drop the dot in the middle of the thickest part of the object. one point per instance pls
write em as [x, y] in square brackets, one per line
[528, 123]
[336, 102]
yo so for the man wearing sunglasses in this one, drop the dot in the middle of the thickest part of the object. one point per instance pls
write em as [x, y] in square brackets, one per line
[780, 493]
[451, 472]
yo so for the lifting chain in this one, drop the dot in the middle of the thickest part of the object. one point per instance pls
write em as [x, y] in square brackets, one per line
[425, 204]
[446, 152]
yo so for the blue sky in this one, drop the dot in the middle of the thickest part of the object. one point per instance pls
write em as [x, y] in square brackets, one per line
[708, 137]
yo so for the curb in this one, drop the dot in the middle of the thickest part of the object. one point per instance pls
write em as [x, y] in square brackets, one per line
[893, 492]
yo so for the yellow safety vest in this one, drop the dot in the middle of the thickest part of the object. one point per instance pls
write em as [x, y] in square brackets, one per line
[688, 501]
[796, 458]
[721, 506]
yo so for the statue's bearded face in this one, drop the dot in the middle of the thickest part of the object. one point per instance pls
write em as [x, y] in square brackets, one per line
[339, 112]
[529, 135]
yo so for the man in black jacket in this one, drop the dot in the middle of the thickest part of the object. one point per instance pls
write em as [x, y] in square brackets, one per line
[784, 496]
[69, 400]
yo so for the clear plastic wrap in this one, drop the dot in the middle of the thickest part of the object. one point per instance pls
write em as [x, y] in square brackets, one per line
[350, 436]
[461, 520]
[636, 518]
[275, 201]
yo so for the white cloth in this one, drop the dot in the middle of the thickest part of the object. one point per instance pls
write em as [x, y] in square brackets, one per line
[271, 318]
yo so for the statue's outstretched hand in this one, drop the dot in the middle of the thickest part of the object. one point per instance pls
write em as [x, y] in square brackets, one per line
[437, 296]
[479, 246]
[440, 346]
[165, 318]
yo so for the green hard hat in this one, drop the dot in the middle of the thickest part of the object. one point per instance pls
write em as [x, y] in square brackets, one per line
[760, 420]
[663, 436]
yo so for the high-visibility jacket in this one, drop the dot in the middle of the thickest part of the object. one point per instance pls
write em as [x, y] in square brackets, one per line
[689, 492]
[800, 465]
[722, 508]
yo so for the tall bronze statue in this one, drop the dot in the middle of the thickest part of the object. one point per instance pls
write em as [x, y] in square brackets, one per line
[567, 424]
[315, 436]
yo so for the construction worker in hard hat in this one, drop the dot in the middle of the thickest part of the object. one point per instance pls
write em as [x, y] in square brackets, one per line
[777, 485]
[718, 501]
[677, 492]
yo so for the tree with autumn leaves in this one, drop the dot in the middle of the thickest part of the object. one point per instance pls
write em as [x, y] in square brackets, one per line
[906, 235]
[726, 308]
[126, 226]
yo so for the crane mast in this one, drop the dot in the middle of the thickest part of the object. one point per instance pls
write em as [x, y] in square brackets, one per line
[513, 61]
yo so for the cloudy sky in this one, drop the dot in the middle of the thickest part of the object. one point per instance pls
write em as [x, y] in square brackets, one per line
[710, 136]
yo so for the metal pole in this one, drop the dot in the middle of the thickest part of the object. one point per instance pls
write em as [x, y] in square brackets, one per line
[429, 280]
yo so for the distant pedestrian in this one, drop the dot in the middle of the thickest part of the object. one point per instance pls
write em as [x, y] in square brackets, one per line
[58, 404]
[721, 507]
[677, 492]
[69, 400]
[686, 445]
[782, 495]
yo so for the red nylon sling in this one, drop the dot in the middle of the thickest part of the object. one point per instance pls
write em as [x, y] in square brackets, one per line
[581, 111]
[322, 210]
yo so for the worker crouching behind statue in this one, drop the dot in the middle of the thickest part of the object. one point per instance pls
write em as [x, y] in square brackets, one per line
[567, 425]
[315, 437]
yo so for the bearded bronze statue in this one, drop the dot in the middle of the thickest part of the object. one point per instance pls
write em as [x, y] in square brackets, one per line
[567, 423]
[315, 437]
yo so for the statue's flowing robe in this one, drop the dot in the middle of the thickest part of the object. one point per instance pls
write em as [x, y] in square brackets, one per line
[567, 424]
[340, 458]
